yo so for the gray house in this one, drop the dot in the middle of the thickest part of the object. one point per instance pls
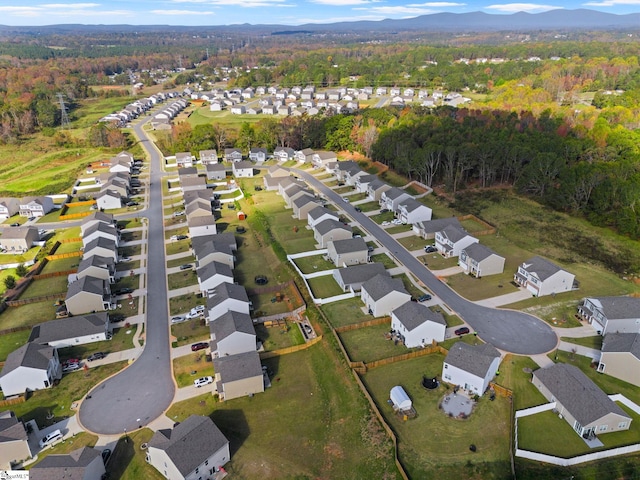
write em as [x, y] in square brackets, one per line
[96, 217]
[238, 375]
[226, 297]
[70, 331]
[383, 294]
[88, 294]
[611, 314]
[14, 441]
[319, 214]
[103, 247]
[30, 367]
[232, 333]
[351, 278]
[451, 240]
[331, 230]
[620, 357]
[542, 277]
[83, 464]
[479, 260]
[429, 229]
[376, 188]
[18, 239]
[346, 252]
[216, 171]
[392, 198]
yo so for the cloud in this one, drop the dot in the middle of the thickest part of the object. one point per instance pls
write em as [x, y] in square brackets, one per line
[522, 7]
[237, 3]
[69, 5]
[398, 10]
[437, 4]
[612, 3]
[181, 12]
[342, 3]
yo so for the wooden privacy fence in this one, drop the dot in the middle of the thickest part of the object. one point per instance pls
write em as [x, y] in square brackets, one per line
[74, 215]
[58, 256]
[71, 240]
[500, 390]
[368, 323]
[42, 298]
[489, 229]
[281, 316]
[12, 401]
[287, 350]
[13, 330]
[407, 356]
[55, 274]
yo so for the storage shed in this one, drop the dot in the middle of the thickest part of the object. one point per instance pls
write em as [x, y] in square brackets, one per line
[400, 399]
[241, 216]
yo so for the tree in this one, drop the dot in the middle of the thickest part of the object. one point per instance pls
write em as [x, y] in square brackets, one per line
[10, 282]
[21, 270]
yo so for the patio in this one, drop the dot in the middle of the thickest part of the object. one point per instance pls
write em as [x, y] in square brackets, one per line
[457, 405]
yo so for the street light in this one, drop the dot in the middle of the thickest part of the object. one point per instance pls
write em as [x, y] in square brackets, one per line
[126, 439]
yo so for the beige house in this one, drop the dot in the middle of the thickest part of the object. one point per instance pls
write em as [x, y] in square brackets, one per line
[586, 408]
[376, 188]
[479, 260]
[319, 214]
[330, 231]
[14, 444]
[620, 357]
[238, 375]
[347, 252]
[208, 156]
[87, 295]
[383, 294]
[9, 206]
[302, 206]
[18, 239]
[83, 464]
[101, 229]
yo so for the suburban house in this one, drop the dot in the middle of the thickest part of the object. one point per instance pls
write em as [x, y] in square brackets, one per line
[258, 154]
[417, 325]
[70, 331]
[479, 260]
[198, 208]
[412, 211]
[274, 176]
[232, 155]
[429, 229]
[330, 230]
[88, 294]
[18, 239]
[321, 158]
[104, 247]
[351, 278]
[96, 217]
[226, 297]
[541, 277]
[284, 153]
[193, 449]
[213, 274]
[208, 156]
[287, 183]
[341, 169]
[294, 191]
[305, 155]
[108, 199]
[216, 171]
[9, 206]
[184, 159]
[392, 198]
[202, 225]
[119, 165]
[101, 230]
[376, 188]
[383, 294]
[232, 333]
[620, 357]
[35, 206]
[14, 441]
[242, 169]
[362, 182]
[83, 464]
[611, 314]
[303, 205]
[586, 408]
[30, 367]
[191, 183]
[471, 367]
[238, 375]
[319, 214]
[348, 251]
[212, 250]
[451, 240]
[186, 172]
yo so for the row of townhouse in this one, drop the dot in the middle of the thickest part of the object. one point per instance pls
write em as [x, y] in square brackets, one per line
[116, 185]
[134, 109]
[162, 119]
[26, 206]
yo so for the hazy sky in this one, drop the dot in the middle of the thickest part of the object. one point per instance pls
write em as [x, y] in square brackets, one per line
[288, 12]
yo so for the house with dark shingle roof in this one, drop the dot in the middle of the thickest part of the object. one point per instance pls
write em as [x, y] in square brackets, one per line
[620, 357]
[225, 297]
[213, 274]
[82, 464]
[208, 156]
[202, 225]
[418, 325]
[479, 260]
[232, 333]
[428, 229]
[238, 375]
[195, 448]
[70, 331]
[412, 211]
[349, 251]
[586, 408]
[214, 248]
[392, 198]
[189, 184]
[216, 171]
[376, 188]
[88, 294]
[611, 314]
[303, 205]
[351, 278]
[471, 367]
[451, 240]
[330, 230]
[383, 294]
[362, 182]
[542, 277]
[30, 367]
[319, 214]
[14, 441]
[18, 239]
[96, 217]
[101, 229]
[103, 247]
[242, 169]
[184, 159]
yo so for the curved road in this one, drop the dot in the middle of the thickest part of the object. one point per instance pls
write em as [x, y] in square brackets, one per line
[507, 330]
[143, 391]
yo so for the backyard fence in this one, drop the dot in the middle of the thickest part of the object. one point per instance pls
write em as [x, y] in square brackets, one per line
[75, 215]
[58, 256]
[42, 298]
[12, 401]
[55, 274]
[489, 229]
[281, 316]
[287, 350]
[71, 240]
[428, 350]
[13, 329]
[368, 323]
[500, 390]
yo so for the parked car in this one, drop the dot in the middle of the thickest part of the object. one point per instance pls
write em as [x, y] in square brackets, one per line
[345, 199]
[123, 291]
[370, 248]
[358, 209]
[125, 259]
[384, 210]
[117, 317]
[203, 381]
[198, 309]
[182, 237]
[385, 223]
[178, 319]
[424, 298]
[199, 346]
[106, 455]
[50, 438]
[15, 224]
[462, 331]
[96, 356]
[430, 249]
[131, 204]
[178, 214]
[70, 367]
[396, 221]
[186, 266]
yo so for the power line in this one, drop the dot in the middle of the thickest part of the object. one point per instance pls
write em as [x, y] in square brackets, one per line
[64, 118]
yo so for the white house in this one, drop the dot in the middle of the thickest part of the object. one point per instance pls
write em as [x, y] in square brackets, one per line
[417, 325]
[202, 225]
[213, 274]
[84, 463]
[351, 278]
[70, 331]
[242, 169]
[30, 367]
[108, 199]
[9, 206]
[471, 367]
[479, 260]
[225, 297]
[542, 277]
[232, 333]
[101, 230]
[412, 211]
[383, 294]
[612, 314]
[392, 198]
[319, 214]
[451, 240]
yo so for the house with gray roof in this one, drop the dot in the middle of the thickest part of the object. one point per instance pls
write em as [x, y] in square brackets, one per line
[101, 229]
[9, 206]
[362, 182]
[376, 188]
[14, 441]
[471, 367]
[198, 208]
[288, 182]
[321, 158]
[412, 211]
[296, 191]
[351, 278]
[88, 294]
[109, 198]
[479, 260]
[96, 217]
[208, 156]
[30, 367]
[232, 155]
[611, 314]
[212, 274]
[35, 206]
[319, 214]
[242, 169]
[417, 325]
[542, 277]
[103, 247]
[303, 205]
[451, 240]
[82, 464]
[187, 172]
[428, 229]
[284, 153]
[216, 171]
[195, 448]
[586, 408]
[620, 357]
[70, 331]
[348, 251]
[202, 225]
[192, 183]
[305, 155]
[340, 169]
[18, 240]
[225, 297]
[383, 294]
[210, 248]
[238, 375]
[232, 333]
[392, 198]
[184, 159]
[258, 154]
[329, 231]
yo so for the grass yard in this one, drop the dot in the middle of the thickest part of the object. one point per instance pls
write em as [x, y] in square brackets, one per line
[189, 332]
[589, 342]
[281, 336]
[435, 261]
[414, 291]
[452, 320]
[130, 251]
[12, 341]
[128, 281]
[178, 246]
[57, 400]
[128, 458]
[184, 368]
[414, 242]
[61, 265]
[398, 229]
[345, 312]
[124, 266]
[131, 236]
[337, 439]
[357, 197]
[291, 240]
[182, 279]
[515, 375]
[382, 217]
[314, 263]
[324, 287]
[7, 272]
[82, 439]
[46, 286]
[122, 340]
[432, 445]
[384, 259]
[176, 262]
[183, 303]
[470, 338]
[6, 258]
[169, 232]
[369, 343]
[28, 315]
[369, 206]
[344, 189]
[267, 304]
[70, 247]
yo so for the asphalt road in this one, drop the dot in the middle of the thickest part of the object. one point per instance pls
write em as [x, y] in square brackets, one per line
[143, 391]
[507, 330]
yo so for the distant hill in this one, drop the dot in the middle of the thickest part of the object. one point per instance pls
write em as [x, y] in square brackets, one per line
[560, 19]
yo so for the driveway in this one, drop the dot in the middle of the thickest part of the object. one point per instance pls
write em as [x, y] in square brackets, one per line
[507, 330]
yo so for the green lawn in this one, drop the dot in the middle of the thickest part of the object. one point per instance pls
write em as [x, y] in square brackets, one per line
[515, 374]
[324, 287]
[180, 261]
[369, 206]
[384, 259]
[122, 340]
[369, 343]
[590, 342]
[452, 320]
[68, 445]
[189, 367]
[435, 261]
[267, 304]
[178, 246]
[276, 337]
[182, 279]
[398, 229]
[61, 265]
[189, 332]
[414, 242]
[28, 315]
[6, 258]
[168, 233]
[345, 312]
[12, 341]
[184, 303]
[128, 458]
[46, 286]
[315, 263]
[129, 281]
[414, 291]
[382, 217]
[124, 266]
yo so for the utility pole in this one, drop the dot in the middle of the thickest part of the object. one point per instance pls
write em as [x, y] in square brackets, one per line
[180, 62]
[207, 53]
[64, 118]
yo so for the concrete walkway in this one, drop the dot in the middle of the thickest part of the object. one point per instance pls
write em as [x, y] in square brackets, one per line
[576, 332]
[447, 272]
[184, 291]
[542, 360]
[506, 299]
[580, 350]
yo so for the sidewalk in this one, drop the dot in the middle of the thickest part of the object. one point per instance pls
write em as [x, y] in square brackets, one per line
[447, 272]
[183, 291]
[580, 350]
[575, 332]
[506, 299]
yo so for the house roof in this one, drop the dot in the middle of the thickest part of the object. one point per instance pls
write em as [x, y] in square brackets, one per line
[216, 167]
[71, 466]
[412, 315]
[192, 181]
[86, 284]
[617, 308]
[411, 204]
[70, 327]
[347, 165]
[475, 359]
[190, 443]
[243, 165]
[319, 211]
[303, 200]
[479, 252]
[199, 194]
[622, 342]
[213, 153]
[328, 225]
[366, 178]
[277, 170]
[454, 233]
[325, 155]
[360, 273]
[101, 242]
[101, 227]
[18, 233]
[238, 367]
[108, 193]
[376, 184]
[201, 221]
[11, 428]
[381, 285]
[226, 291]
[577, 393]
[212, 269]
[229, 323]
[394, 193]
[219, 242]
[187, 171]
[542, 267]
[349, 245]
[32, 355]
[258, 150]
[198, 205]
[183, 156]
[433, 226]
[98, 216]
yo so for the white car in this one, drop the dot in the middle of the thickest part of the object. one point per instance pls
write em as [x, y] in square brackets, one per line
[178, 319]
[52, 438]
[203, 381]
[178, 214]
[197, 309]
[385, 223]
[345, 200]
[396, 221]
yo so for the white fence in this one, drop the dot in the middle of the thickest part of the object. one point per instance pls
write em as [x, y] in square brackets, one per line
[533, 410]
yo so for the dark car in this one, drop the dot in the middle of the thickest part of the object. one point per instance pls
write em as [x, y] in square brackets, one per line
[186, 266]
[15, 224]
[106, 455]
[96, 356]
[123, 291]
[424, 298]
[358, 209]
[430, 249]
[199, 346]
[182, 237]
[131, 204]
[462, 331]
[118, 317]
[384, 210]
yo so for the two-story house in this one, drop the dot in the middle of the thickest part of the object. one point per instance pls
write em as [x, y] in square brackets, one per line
[542, 277]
